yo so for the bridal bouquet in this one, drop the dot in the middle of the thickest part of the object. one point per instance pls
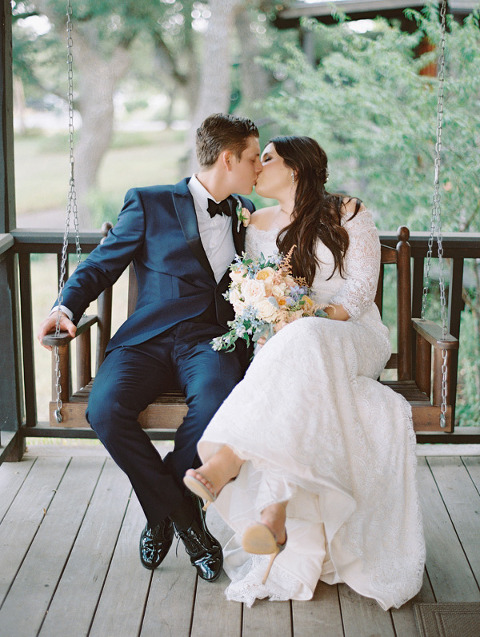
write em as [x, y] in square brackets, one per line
[265, 297]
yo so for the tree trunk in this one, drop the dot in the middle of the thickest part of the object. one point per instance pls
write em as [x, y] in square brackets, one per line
[97, 81]
[253, 77]
[215, 75]
[19, 105]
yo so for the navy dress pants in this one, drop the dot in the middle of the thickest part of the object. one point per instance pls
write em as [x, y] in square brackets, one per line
[131, 377]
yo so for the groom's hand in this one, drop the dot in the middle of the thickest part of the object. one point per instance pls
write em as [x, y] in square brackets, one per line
[49, 325]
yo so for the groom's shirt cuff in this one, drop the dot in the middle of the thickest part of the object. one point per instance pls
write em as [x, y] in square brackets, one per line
[63, 309]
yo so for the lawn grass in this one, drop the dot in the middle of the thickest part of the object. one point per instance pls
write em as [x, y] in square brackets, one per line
[135, 159]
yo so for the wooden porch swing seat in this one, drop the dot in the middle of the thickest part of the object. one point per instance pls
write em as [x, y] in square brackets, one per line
[420, 382]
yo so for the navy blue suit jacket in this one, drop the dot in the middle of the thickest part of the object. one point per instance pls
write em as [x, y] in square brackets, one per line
[157, 229]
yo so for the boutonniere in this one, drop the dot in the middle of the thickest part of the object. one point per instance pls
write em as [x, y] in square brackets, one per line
[243, 215]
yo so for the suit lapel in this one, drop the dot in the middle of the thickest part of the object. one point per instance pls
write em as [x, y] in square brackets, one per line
[185, 209]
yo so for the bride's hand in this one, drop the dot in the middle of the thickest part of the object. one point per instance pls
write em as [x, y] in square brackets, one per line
[261, 341]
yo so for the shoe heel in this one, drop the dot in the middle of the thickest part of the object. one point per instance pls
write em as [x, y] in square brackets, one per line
[258, 539]
[199, 489]
[270, 564]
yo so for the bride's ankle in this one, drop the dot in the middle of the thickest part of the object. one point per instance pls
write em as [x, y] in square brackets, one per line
[274, 517]
[223, 467]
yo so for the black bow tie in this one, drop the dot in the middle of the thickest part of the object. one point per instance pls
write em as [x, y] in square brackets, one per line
[222, 208]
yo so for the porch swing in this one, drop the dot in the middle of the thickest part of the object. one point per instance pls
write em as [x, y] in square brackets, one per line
[427, 385]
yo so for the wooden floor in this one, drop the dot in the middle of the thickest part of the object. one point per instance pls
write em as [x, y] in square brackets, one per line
[69, 529]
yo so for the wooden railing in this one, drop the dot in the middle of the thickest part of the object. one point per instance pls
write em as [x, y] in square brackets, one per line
[457, 248]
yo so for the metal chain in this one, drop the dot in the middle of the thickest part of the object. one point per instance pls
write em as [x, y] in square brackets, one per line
[71, 209]
[436, 220]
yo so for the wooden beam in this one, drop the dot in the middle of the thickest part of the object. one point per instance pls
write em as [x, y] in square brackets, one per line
[432, 332]
[11, 398]
[156, 416]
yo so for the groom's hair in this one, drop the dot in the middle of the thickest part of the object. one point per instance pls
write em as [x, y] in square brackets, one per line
[221, 132]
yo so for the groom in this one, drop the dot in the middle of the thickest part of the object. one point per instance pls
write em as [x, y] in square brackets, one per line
[181, 239]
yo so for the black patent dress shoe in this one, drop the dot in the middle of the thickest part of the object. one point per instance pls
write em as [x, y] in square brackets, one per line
[155, 542]
[204, 550]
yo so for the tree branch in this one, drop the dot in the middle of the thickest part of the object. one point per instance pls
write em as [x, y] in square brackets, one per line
[160, 45]
[465, 227]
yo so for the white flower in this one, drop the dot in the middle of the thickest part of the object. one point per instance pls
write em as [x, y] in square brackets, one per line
[235, 299]
[237, 276]
[279, 289]
[267, 311]
[253, 291]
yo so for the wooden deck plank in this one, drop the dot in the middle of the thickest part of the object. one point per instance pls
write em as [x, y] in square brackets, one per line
[472, 464]
[22, 615]
[12, 477]
[363, 617]
[447, 566]
[122, 603]
[170, 601]
[210, 596]
[267, 618]
[24, 517]
[463, 503]
[175, 602]
[82, 580]
[264, 618]
[208, 619]
[319, 616]
[403, 618]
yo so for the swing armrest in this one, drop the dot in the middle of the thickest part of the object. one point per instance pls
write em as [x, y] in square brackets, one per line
[84, 324]
[432, 332]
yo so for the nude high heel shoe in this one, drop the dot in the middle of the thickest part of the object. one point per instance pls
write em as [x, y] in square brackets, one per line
[260, 540]
[198, 488]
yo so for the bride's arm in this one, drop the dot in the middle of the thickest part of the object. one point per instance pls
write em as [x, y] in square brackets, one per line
[362, 264]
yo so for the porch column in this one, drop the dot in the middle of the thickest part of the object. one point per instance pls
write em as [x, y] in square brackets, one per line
[11, 441]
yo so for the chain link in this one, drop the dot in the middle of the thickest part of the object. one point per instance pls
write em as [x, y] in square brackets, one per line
[436, 219]
[71, 209]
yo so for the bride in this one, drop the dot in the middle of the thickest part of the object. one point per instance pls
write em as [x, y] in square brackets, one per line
[310, 460]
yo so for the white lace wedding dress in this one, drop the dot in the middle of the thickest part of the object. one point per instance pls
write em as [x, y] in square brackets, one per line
[318, 430]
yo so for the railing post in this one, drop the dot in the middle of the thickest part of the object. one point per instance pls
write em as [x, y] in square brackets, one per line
[417, 289]
[455, 307]
[27, 340]
[404, 315]
[11, 384]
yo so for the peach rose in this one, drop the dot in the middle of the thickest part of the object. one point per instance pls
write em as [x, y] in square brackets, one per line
[243, 215]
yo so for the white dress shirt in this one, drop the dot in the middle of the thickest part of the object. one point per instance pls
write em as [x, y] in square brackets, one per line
[215, 235]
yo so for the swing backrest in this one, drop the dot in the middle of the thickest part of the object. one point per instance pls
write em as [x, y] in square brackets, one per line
[400, 255]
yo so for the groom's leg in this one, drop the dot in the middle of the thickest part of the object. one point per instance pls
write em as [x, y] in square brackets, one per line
[130, 379]
[206, 377]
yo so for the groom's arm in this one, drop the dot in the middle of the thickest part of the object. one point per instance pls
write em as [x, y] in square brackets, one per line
[102, 267]
[107, 262]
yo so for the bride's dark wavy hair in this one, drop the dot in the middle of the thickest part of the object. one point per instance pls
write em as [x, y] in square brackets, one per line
[317, 214]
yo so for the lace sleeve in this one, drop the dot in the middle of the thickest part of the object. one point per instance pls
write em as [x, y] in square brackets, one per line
[362, 265]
